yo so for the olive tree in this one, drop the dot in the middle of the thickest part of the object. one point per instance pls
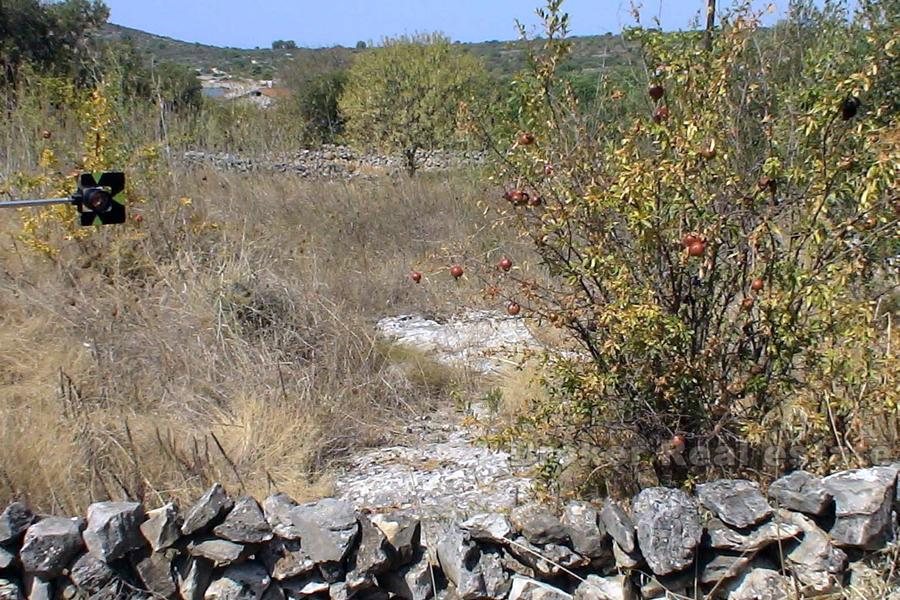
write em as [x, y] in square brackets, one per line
[405, 95]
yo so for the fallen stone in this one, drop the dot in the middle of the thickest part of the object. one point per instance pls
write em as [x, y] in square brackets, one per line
[245, 524]
[813, 559]
[619, 525]
[595, 587]
[863, 500]
[162, 528]
[538, 525]
[533, 557]
[220, 552]
[246, 581]
[210, 509]
[7, 558]
[626, 560]
[94, 577]
[488, 527]
[10, 590]
[277, 510]
[529, 589]
[718, 567]
[328, 529]
[723, 537]
[304, 587]
[668, 528]
[403, 533]
[760, 584]
[458, 556]
[14, 521]
[582, 522]
[50, 545]
[413, 581]
[737, 502]
[373, 556]
[286, 559]
[496, 579]
[803, 492]
[113, 529]
[154, 569]
[513, 565]
[193, 576]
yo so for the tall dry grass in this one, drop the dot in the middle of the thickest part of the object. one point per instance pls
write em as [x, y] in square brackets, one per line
[228, 336]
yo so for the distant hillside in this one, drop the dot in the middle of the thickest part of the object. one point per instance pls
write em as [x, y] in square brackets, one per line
[590, 53]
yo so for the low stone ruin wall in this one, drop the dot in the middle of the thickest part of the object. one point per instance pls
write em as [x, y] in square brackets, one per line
[727, 541]
[332, 162]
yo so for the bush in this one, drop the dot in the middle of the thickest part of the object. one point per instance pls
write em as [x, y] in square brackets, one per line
[719, 256]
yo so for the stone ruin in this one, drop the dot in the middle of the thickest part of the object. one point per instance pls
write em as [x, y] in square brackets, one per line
[808, 537]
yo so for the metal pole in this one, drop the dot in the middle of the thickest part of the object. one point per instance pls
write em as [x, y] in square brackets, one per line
[38, 202]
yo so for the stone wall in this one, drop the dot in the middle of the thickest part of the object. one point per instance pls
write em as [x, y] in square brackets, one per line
[810, 535]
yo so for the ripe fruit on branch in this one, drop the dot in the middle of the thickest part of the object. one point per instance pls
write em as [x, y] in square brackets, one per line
[678, 442]
[849, 107]
[505, 264]
[656, 91]
[708, 151]
[548, 170]
[766, 183]
[757, 284]
[138, 218]
[535, 200]
[525, 138]
[46, 134]
[516, 197]
[661, 114]
[689, 239]
[513, 309]
[747, 304]
[697, 248]
[415, 276]
[456, 271]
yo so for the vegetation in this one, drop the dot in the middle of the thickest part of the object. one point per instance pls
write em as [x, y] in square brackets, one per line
[722, 253]
[405, 96]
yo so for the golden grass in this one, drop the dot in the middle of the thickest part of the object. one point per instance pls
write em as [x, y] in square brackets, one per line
[229, 337]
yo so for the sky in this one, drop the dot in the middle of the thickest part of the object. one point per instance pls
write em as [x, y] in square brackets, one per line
[322, 23]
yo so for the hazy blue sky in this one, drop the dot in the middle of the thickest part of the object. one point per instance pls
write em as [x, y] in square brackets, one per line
[314, 23]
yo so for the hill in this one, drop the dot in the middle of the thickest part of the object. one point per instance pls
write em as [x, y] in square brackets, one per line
[503, 58]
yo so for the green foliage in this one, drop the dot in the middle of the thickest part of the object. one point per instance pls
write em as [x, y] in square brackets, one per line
[721, 255]
[284, 45]
[406, 95]
[54, 37]
[316, 87]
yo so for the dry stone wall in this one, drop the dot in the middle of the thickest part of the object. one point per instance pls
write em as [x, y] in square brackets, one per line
[728, 540]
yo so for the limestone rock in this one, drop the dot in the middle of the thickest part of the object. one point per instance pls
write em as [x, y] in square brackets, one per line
[113, 529]
[595, 587]
[155, 572]
[626, 560]
[193, 576]
[737, 502]
[533, 557]
[304, 587]
[863, 500]
[162, 528]
[523, 588]
[277, 510]
[94, 577]
[7, 558]
[723, 566]
[538, 525]
[813, 559]
[677, 585]
[403, 533]
[412, 581]
[760, 584]
[286, 559]
[459, 557]
[208, 510]
[668, 528]
[50, 544]
[723, 537]
[583, 525]
[10, 590]
[14, 521]
[328, 529]
[488, 527]
[373, 556]
[220, 552]
[619, 525]
[246, 581]
[245, 524]
[803, 492]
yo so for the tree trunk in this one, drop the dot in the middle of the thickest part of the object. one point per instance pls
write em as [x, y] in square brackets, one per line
[410, 154]
[710, 22]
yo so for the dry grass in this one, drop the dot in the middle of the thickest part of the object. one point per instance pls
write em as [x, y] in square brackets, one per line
[229, 337]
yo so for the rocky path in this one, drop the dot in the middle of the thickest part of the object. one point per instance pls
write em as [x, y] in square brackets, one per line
[437, 469]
